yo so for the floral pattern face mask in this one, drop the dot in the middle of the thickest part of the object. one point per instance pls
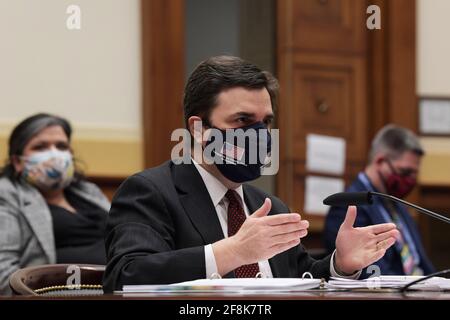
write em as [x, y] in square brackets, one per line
[49, 170]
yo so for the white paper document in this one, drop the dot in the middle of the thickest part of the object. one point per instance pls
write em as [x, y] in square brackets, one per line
[393, 282]
[317, 189]
[325, 154]
[230, 285]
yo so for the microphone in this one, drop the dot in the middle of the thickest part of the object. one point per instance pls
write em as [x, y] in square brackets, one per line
[344, 199]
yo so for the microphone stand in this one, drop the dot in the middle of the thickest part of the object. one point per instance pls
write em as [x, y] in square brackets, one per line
[408, 285]
[405, 288]
[423, 210]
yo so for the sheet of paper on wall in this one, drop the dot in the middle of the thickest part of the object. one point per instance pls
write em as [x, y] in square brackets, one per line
[325, 154]
[317, 189]
[434, 116]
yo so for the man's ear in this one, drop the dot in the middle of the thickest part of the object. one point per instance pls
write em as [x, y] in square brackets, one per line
[196, 128]
[379, 159]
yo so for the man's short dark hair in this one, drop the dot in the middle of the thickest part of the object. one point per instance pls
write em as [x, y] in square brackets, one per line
[393, 141]
[217, 74]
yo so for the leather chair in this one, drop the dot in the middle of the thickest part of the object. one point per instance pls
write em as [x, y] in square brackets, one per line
[58, 280]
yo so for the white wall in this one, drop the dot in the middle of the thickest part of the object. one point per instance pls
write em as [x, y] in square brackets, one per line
[433, 48]
[91, 76]
[433, 79]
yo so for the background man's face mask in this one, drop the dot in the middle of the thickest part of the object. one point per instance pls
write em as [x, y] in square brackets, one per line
[243, 153]
[398, 185]
[49, 170]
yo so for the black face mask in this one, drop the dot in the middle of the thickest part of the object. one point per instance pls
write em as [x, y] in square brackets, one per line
[240, 154]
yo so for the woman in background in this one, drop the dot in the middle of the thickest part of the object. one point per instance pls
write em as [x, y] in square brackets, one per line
[48, 212]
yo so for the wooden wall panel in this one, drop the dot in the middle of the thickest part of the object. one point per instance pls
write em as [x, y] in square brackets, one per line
[402, 63]
[329, 99]
[325, 25]
[392, 66]
[162, 76]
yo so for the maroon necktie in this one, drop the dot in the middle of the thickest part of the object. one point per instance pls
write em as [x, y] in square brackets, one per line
[236, 218]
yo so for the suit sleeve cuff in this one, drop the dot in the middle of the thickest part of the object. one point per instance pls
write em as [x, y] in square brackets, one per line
[210, 261]
[334, 273]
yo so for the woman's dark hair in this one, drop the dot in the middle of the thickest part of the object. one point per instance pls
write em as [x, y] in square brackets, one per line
[216, 74]
[24, 132]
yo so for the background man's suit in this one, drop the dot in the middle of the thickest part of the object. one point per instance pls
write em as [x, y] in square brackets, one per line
[162, 218]
[391, 263]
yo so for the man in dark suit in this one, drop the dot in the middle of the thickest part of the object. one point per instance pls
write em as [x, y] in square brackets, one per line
[180, 222]
[394, 162]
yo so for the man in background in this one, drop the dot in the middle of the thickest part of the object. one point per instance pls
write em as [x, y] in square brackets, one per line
[394, 161]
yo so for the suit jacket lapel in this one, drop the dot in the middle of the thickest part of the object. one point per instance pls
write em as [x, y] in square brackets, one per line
[197, 203]
[39, 218]
[375, 212]
[363, 184]
[279, 263]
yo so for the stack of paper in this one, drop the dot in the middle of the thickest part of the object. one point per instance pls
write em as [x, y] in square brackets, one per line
[394, 282]
[230, 285]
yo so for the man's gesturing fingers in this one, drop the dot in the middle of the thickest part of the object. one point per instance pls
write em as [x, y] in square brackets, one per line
[284, 246]
[385, 244]
[289, 227]
[384, 227]
[288, 237]
[386, 235]
[282, 218]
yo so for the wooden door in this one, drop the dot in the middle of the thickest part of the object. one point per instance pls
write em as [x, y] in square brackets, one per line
[340, 79]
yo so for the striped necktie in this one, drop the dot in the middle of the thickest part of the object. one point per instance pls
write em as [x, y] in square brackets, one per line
[410, 267]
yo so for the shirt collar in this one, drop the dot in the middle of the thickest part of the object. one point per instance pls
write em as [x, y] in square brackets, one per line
[215, 188]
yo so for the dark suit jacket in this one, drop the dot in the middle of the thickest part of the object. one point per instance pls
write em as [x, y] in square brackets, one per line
[391, 263]
[162, 218]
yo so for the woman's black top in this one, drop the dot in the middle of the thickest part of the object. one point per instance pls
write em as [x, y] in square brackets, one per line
[79, 237]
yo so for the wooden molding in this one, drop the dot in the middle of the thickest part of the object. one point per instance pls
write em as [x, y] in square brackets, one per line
[163, 76]
[392, 67]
